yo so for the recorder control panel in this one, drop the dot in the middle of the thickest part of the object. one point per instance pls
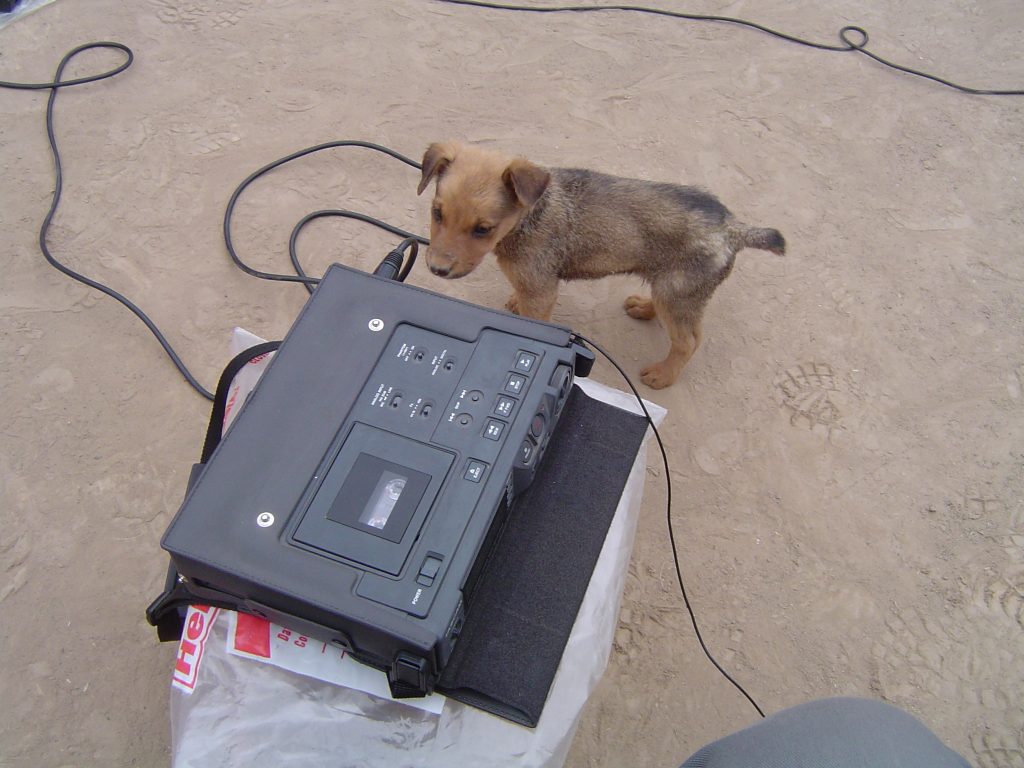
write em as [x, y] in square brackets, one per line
[438, 423]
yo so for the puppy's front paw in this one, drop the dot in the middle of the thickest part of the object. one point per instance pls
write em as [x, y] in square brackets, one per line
[638, 307]
[512, 305]
[658, 375]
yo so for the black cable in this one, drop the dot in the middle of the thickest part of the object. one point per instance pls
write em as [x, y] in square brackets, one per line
[58, 83]
[301, 276]
[668, 514]
[58, 186]
[848, 45]
[292, 253]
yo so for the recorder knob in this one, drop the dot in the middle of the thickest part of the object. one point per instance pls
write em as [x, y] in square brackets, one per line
[561, 380]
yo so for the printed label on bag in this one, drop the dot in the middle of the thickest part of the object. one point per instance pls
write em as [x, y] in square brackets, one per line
[198, 624]
[261, 640]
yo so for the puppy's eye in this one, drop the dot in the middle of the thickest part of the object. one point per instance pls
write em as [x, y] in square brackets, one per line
[436, 213]
[482, 230]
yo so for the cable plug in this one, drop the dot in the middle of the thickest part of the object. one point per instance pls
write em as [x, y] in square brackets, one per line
[392, 263]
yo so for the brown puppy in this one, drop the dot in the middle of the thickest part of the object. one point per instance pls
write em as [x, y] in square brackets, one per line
[547, 225]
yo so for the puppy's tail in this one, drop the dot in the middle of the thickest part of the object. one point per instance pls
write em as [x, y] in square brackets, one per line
[763, 239]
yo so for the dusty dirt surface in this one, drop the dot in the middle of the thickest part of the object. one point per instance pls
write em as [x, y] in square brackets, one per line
[847, 447]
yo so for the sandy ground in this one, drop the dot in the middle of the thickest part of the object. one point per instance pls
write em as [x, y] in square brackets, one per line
[847, 446]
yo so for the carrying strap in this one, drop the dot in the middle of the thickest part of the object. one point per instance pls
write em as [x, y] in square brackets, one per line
[167, 612]
[242, 359]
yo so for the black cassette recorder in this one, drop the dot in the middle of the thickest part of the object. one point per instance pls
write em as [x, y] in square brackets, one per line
[357, 494]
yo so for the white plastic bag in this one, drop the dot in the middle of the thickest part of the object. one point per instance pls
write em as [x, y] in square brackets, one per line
[21, 9]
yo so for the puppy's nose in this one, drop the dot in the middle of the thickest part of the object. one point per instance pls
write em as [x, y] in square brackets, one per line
[440, 271]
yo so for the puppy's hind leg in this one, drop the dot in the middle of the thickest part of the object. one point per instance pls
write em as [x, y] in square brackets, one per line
[639, 308]
[681, 317]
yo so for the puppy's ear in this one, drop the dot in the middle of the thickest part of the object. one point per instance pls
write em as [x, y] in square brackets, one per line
[435, 160]
[526, 181]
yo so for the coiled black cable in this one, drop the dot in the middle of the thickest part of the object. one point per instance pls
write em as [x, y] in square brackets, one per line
[56, 85]
[293, 254]
[848, 44]
[301, 276]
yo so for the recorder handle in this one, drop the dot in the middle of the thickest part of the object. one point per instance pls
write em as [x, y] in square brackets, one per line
[584, 361]
[166, 613]
[408, 676]
[213, 432]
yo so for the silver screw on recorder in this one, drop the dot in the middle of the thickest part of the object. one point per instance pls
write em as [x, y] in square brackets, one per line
[265, 520]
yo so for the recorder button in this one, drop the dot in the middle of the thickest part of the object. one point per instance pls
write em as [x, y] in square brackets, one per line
[494, 429]
[537, 426]
[429, 571]
[504, 406]
[525, 452]
[525, 361]
[430, 567]
[474, 471]
[515, 383]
